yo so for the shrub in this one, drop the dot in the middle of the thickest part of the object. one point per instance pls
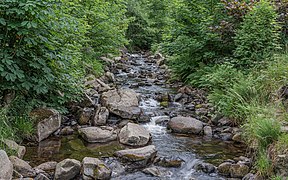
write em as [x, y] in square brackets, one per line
[264, 165]
[257, 39]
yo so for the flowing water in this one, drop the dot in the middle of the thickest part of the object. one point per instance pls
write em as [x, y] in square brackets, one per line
[141, 76]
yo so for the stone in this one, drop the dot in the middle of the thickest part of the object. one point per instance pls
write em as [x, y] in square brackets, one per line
[93, 168]
[87, 101]
[205, 167]
[48, 121]
[238, 170]
[110, 76]
[47, 166]
[134, 135]
[67, 169]
[85, 116]
[41, 176]
[187, 125]
[224, 168]
[161, 120]
[101, 116]
[68, 130]
[122, 102]
[155, 171]
[168, 161]
[142, 156]
[22, 167]
[208, 131]
[237, 137]
[21, 150]
[281, 164]
[6, 167]
[98, 134]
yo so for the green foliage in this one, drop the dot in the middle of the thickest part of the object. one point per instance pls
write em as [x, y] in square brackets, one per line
[264, 165]
[258, 37]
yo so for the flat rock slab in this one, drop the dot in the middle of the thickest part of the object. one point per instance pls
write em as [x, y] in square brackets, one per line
[122, 102]
[134, 135]
[6, 167]
[142, 155]
[98, 134]
[187, 125]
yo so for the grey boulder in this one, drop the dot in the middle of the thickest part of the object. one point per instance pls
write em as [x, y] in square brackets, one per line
[187, 125]
[134, 135]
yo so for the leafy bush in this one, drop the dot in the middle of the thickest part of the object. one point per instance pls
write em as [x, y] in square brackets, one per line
[258, 37]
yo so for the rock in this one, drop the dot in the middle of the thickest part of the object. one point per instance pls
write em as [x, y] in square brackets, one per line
[281, 164]
[168, 161]
[93, 168]
[22, 167]
[224, 168]
[237, 137]
[47, 166]
[251, 176]
[85, 116]
[107, 60]
[68, 130]
[86, 101]
[134, 135]
[97, 85]
[98, 134]
[226, 136]
[205, 167]
[161, 120]
[110, 76]
[142, 156]
[49, 120]
[238, 170]
[122, 102]
[101, 116]
[224, 122]
[67, 169]
[185, 125]
[6, 167]
[208, 131]
[178, 97]
[41, 176]
[21, 150]
[155, 171]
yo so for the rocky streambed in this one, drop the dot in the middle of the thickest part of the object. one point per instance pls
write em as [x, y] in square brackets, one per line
[132, 124]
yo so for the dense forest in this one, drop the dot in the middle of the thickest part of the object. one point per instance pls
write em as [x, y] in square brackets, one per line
[235, 50]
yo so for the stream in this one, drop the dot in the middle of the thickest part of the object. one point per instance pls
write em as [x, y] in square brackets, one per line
[146, 78]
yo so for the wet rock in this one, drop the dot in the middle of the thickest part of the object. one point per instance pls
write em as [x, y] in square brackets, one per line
[85, 116]
[224, 168]
[67, 169]
[6, 167]
[98, 134]
[49, 120]
[208, 131]
[47, 166]
[238, 170]
[178, 97]
[226, 136]
[110, 76]
[134, 135]
[68, 130]
[205, 167]
[123, 102]
[161, 120]
[93, 168]
[87, 101]
[21, 150]
[101, 116]
[22, 167]
[155, 171]
[142, 156]
[168, 161]
[48, 148]
[185, 125]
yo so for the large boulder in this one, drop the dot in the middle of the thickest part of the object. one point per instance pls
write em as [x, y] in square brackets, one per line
[98, 134]
[141, 156]
[185, 125]
[49, 120]
[6, 167]
[20, 150]
[134, 135]
[47, 166]
[22, 167]
[93, 168]
[122, 102]
[101, 116]
[67, 169]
